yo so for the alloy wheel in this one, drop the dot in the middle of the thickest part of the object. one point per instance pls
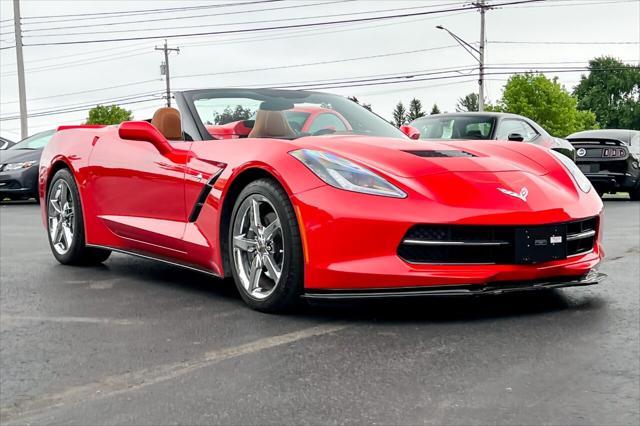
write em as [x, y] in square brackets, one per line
[61, 217]
[258, 246]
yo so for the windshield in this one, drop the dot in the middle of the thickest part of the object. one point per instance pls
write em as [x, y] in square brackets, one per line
[37, 141]
[283, 114]
[455, 127]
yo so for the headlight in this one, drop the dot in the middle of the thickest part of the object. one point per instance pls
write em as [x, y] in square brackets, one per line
[17, 166]
[344, 174]
[580, 179]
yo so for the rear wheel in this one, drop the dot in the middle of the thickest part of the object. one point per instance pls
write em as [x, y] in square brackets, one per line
[65, 224]
[265, 249]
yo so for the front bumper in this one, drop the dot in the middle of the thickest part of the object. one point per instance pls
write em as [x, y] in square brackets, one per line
[19, 183]
[591, 278]
[350, 241]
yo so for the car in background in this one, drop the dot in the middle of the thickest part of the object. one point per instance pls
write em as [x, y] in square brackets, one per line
[19, 167]
[5, 143]
[610, 159]
[488, 125]
[310, 120]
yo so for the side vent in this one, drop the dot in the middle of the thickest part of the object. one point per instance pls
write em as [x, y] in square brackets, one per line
[441, 153]
[202, 198]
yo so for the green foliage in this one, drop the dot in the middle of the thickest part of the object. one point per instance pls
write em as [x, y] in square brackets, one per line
[612, 92]
[468, 104]
[365, 106]
[435, 110]
[108, 114]
[546, 102]
[399, 115]
[415, 110]
[229, 115]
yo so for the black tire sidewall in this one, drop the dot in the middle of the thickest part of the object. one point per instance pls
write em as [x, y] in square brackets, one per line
[290, 285]
[75, 252]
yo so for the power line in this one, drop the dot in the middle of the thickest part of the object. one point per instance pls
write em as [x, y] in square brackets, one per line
[227, 23]
[334, 61]
[173, 18]
[561, 42]
[304, 25]
[101, 15]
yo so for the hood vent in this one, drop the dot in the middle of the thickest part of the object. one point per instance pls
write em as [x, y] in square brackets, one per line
[441, 153]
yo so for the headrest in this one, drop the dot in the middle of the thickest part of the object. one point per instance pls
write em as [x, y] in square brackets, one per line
[271, 124]
[167, 121]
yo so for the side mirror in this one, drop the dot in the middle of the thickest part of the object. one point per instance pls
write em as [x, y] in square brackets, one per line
[144, 131]
[410, 131]
[516, 137]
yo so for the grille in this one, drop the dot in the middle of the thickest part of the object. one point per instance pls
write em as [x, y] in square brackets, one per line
[462, 244]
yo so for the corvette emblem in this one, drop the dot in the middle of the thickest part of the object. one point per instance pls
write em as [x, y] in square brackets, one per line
[522, 195]
[581, 152]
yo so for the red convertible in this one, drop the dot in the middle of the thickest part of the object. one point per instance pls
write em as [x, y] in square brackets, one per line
[349, 212]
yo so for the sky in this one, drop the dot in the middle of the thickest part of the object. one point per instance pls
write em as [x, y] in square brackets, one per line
[534, 36]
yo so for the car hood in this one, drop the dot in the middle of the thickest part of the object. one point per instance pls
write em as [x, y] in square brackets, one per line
[409, 158]
[19, 155]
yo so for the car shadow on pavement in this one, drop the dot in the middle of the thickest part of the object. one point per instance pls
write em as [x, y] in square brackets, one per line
[432, 309]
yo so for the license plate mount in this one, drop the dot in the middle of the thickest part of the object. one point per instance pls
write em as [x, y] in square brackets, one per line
[541, 243]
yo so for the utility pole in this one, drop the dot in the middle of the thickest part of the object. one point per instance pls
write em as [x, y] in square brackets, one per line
[164, 68]
[482, 8]
[22, 93]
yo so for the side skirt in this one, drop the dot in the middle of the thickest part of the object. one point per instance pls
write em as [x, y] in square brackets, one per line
[158, 259]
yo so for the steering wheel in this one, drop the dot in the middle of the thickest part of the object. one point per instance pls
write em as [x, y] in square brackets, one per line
[325, 131]
[297, 127]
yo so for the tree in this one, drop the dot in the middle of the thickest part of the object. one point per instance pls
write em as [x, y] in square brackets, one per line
[468, 104]
[415, 110]
[612, 92]
[354, 99]
[546, 102]
[399, 115]
[435, 110]
[230, 115]
[108, 114]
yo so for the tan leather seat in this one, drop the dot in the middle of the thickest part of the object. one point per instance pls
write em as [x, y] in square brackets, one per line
[167, 121]
[271, 124]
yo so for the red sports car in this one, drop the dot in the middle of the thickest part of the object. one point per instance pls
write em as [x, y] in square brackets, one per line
[357, 212]
[302, 119]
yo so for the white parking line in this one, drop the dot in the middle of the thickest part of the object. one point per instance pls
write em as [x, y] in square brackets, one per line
[128, 382]
[87, 320]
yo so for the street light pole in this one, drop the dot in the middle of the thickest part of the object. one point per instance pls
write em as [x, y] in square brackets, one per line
[478, 54]
[22, 93]
[481, 6]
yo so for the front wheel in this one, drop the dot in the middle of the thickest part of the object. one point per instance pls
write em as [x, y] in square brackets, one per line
[65, 224]
[265, 249]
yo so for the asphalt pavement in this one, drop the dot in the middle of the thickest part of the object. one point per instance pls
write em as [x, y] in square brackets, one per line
[139, 343]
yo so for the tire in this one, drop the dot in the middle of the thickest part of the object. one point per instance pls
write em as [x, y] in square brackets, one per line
[634, 194]
[266, 250]
[64, 212]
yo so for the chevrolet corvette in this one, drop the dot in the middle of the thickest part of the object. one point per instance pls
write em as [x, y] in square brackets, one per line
[360, 211]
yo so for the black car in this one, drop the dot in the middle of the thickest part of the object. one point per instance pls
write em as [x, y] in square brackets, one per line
[19, 167]
[610, 159]
[489, 125]
[5, 143]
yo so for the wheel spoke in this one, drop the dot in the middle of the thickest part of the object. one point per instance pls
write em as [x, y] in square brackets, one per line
[271, 229]
[256, 273]
[272, 267]
[68, 236]
[254, 211]
[64, 199]
[243, 243]
[57, 232]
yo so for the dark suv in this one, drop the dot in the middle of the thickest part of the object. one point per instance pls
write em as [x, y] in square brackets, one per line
[610, 159]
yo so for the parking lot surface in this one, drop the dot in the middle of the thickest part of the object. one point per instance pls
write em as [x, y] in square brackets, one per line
[138, 342]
